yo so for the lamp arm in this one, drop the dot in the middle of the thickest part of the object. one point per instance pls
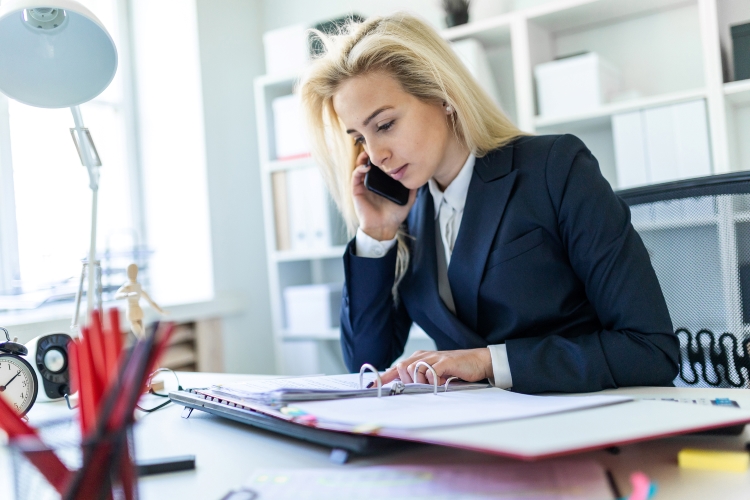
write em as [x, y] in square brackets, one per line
[94, 185]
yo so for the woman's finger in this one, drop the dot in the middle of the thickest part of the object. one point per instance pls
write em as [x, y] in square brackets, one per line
[403, 373]
[390, 375]
[361, 159]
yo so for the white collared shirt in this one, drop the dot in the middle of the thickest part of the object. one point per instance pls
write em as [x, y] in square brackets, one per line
[449, 211]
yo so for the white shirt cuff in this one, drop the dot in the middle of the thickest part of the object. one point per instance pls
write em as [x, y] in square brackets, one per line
[500, 366]
[366, 246]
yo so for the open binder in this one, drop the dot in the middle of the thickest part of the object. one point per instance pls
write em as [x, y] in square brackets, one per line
[599, 421]
[320, 388]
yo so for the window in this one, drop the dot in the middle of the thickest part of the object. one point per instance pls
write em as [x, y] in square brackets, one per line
[45, 201]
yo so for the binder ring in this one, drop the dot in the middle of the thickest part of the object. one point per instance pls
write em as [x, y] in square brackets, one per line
[434, 373]
[448, 382]
[368, 366]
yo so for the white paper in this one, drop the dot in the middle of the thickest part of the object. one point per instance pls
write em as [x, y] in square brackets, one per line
[421, 411]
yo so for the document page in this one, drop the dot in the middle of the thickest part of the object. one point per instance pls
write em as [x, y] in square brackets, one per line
[348, 382]
[422, 411]
[550, 480]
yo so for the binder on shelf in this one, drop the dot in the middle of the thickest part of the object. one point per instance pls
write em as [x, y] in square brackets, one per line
[630, 150]
[661, 144]
[312, 308]
[677, 141]
[314, 222]
[281, 211]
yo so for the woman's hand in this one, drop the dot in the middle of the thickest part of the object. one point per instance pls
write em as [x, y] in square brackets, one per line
[378, 217]
[470, 365]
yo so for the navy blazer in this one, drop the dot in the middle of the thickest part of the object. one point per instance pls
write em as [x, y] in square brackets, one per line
[546, 261]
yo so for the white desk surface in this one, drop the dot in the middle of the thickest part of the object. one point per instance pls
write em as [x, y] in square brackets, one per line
[228, 452]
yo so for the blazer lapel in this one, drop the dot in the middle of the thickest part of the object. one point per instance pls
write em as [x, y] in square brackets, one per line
[489, 191]
[423, 280]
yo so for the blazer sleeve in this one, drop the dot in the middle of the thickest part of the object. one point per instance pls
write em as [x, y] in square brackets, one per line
[374, 329]
[637, 345]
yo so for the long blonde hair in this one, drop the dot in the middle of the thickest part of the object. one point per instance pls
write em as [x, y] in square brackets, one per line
[411, 51]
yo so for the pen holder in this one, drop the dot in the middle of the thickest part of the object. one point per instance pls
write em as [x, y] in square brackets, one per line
[109, 471]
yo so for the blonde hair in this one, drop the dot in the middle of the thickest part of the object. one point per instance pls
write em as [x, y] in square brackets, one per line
[413, 53]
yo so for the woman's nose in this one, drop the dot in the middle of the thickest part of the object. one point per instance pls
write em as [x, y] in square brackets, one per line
[379, 154]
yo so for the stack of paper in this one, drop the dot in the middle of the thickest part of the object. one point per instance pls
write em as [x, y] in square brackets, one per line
[322, 387]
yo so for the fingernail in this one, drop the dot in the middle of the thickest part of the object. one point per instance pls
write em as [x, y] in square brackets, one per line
[370, 385]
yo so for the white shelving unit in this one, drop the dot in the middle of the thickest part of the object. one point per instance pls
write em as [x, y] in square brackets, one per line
[668, 51]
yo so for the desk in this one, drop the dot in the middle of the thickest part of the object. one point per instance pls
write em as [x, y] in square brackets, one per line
[228, 452]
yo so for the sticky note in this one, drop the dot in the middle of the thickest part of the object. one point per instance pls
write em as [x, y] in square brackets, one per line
[730, 461]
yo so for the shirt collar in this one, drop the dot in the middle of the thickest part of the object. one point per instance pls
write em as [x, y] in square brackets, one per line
[456, 192]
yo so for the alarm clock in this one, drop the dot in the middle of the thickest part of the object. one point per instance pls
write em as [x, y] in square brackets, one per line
[18, 382]
[48, 355]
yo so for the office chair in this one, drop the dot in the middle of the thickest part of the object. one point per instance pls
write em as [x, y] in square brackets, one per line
[697, 233]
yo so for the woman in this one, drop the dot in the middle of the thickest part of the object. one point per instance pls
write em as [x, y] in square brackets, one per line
[513, 253]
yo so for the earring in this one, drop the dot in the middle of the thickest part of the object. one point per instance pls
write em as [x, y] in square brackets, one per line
[449, 109]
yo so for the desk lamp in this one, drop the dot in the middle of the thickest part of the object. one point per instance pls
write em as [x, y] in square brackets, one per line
[57, 54]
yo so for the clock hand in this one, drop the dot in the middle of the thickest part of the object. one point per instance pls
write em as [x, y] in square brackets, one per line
[3, 387]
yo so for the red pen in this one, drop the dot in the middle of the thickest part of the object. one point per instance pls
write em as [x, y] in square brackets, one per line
[96, 343]
[114, 325]
[110, 354]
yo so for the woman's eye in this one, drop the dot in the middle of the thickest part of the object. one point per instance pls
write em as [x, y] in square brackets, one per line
[359, 140]
[386, 126]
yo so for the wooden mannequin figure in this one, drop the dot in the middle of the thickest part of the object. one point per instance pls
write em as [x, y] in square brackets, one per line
[133, 292]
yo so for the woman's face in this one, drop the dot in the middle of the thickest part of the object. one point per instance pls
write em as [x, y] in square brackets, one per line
[406, 137]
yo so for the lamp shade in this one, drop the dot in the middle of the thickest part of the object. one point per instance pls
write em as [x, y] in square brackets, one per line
[53, 53]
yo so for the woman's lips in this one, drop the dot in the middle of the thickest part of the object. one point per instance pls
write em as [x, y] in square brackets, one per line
[398, 173]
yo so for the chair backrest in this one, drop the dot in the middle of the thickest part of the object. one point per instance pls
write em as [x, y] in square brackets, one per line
[697, 233]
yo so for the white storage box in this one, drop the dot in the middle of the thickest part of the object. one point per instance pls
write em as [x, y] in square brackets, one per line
[312, 309]
[575, 85]
[289, 130]
[286, 50]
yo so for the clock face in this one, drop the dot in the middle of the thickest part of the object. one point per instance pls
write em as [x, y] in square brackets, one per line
[18, 384]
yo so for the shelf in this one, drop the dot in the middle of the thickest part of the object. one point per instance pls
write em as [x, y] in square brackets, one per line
[603, 115]
[491, 32]
[286, 80]
[335, 334]
[572, 15]
[332, 334]
[324, 253]
[282, 165]
[738, 92]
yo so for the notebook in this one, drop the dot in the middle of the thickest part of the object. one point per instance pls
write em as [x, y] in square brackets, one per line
[275, 391]
[551, 480]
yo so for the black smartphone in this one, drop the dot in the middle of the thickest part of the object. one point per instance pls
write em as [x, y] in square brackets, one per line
[386, 186]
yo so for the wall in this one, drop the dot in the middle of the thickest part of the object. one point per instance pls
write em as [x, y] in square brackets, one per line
[231, 57]
[278, 14]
